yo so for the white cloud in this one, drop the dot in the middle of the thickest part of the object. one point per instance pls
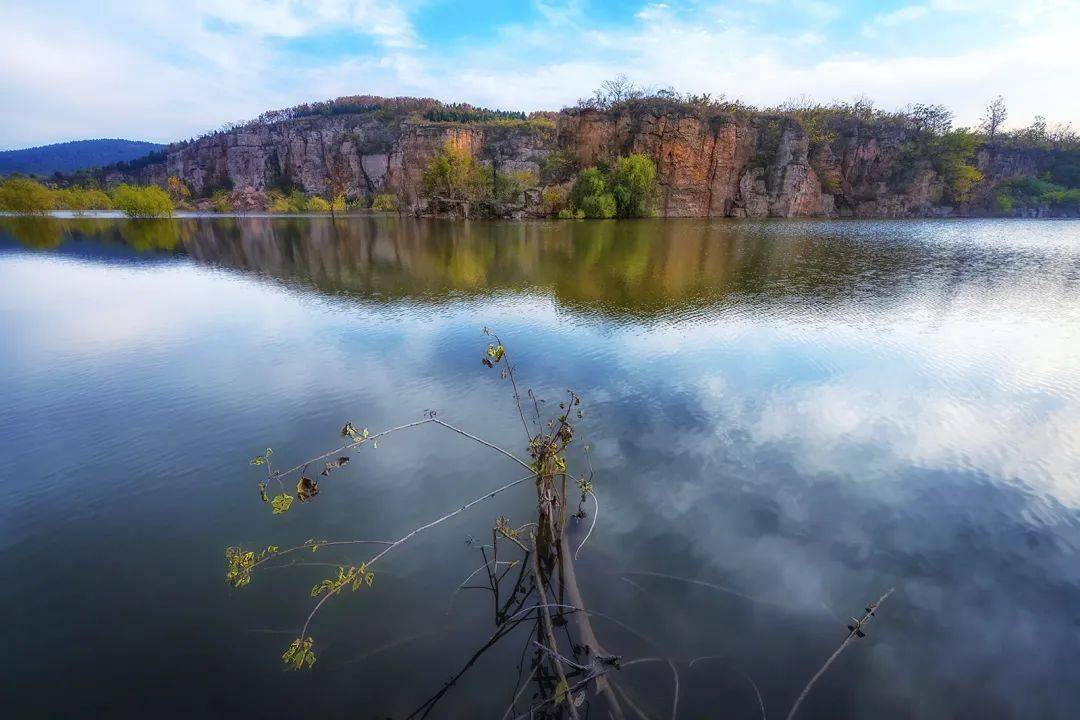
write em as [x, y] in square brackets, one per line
[168, 70]
[901, 16]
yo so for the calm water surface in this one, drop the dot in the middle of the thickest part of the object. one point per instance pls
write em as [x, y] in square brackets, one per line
[805, 413]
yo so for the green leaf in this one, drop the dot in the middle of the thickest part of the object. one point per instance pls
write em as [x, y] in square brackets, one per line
[281, 503]
[560, 691]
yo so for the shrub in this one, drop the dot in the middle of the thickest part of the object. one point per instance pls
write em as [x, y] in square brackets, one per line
[142, 201]
[1064, 199]
[79, 200]
[590, 182]
[633, 183]
[384, 202]
[22, 195]
[553, 199]
[1028, 192]
[589, 195]
[567, 214]
[318, 204]
[219, 201]
[277, 202]
[598, 206]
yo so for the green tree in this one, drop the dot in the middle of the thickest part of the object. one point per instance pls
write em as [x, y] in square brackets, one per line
[633, 183]
[590, 195]
[25, 196]
[951, 155]
[142, 201]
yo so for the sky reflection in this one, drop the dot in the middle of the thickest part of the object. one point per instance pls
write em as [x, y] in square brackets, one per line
[806, 413]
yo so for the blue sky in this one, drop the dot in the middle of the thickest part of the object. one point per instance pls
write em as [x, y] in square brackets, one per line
[168, 70]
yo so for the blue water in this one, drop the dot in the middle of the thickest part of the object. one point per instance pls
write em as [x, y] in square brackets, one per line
[804, 414]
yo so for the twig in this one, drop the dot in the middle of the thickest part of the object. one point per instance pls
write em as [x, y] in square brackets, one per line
[507, 453]
[473, 574]
[714, 586]
[596, 513]
[406, 538]
[855, 631]
[317, 546]
[521, 690]
[350, 446]
[513, 384]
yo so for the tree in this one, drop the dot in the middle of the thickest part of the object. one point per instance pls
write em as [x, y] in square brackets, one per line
[994, 118]
[613, 92]
[936, 119]
[178, 190]
[337, 179]
[454, 174]
[590, 195]
[633, 183]
[338, 205]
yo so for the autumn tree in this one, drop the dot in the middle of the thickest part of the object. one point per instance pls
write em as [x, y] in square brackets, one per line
[178, 190]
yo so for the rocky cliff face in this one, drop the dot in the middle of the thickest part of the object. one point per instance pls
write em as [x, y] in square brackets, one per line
[720, 166]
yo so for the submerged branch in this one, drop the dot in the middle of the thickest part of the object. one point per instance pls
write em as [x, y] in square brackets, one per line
[854, 631]
[714, 586]
[596, 514]
[549, 634]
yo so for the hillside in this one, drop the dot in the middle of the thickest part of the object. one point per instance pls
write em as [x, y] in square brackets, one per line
[72, 156]
[713, 158]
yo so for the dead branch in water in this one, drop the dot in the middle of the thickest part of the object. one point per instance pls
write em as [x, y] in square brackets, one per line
[855, 631]
[545, 595]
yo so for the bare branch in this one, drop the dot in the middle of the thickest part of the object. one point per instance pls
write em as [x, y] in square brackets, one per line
[854, 631]
[596, 514]
[409, 536]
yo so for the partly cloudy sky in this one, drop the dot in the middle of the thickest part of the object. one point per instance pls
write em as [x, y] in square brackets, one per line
[162, 70]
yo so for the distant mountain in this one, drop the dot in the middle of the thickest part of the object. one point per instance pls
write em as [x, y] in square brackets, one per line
[71, 156]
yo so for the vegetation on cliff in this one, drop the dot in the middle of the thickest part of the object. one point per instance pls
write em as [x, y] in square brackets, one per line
[707, 155]
[626, 190]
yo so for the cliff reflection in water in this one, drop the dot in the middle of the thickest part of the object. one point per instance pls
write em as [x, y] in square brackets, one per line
[638, 268]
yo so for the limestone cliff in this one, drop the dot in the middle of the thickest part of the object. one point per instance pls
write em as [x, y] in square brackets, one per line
[709, 164]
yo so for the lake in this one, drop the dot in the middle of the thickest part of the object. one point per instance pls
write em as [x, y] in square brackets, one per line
[796, 415]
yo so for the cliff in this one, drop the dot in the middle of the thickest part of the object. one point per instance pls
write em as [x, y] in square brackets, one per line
[710, 162]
